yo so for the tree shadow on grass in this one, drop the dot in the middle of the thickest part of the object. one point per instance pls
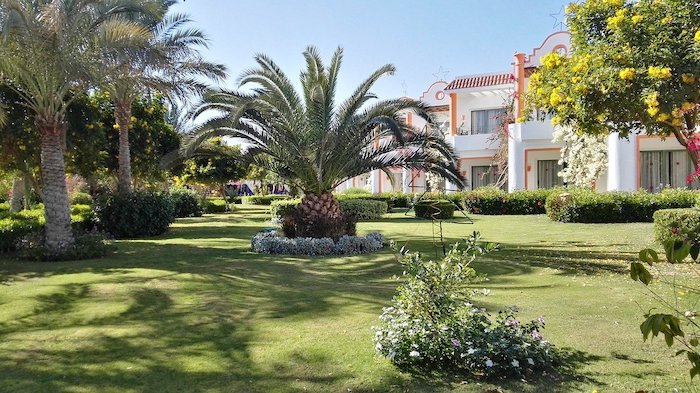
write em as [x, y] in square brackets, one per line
[570, 262]
[186, 322]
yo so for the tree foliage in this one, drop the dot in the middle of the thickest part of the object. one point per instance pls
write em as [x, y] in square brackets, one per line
[214, 164]
[311, 141]
[634, 66]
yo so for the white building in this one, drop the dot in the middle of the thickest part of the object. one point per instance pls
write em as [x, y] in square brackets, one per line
[468, 109]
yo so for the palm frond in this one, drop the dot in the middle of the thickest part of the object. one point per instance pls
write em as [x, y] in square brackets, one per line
[307, 139]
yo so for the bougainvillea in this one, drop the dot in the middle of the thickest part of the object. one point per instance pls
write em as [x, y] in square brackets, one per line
[586, 156]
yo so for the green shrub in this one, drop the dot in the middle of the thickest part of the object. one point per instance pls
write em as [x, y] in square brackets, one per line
[495, 201]
[392, 199]
[434, 209]
[356, 190]
[283, 208]
[588, 206]
[679, 229]
[88, 245]
[187, 203]
[217, 206]
[135, 214]
[80, 198]
[263, 200]
[17, 226]
[14, 227]
[364, 209]
[4, 209]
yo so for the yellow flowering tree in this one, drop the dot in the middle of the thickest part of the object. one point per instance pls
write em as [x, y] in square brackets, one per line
[634, 66]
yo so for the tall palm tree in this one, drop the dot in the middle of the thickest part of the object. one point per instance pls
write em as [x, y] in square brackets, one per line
[316, 145]
[52, 50]
[169, 63]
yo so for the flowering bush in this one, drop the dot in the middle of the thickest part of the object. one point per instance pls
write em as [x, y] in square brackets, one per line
[432, 326]
[586, 156]
[271, 242]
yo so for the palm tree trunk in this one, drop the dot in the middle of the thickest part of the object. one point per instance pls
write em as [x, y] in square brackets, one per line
[122, 113]
[17, 200]
[59, 235]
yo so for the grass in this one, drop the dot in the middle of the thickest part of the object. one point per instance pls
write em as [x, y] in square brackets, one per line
[196, 311]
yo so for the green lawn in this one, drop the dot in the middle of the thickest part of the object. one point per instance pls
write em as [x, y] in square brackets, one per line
[196, 311]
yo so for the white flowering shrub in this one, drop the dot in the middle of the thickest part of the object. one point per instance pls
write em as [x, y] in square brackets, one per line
[586, 156]
[271, 242]
[432, 326]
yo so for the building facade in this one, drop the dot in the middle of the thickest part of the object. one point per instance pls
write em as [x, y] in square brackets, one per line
[471, 111]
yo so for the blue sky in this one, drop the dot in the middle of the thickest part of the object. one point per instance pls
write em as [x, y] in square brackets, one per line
[419, 37]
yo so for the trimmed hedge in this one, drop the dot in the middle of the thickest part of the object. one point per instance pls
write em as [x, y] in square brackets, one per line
[678, 227]
[588, 206]
[217, 205]
[361, 209]
[434, 209]
[392, 199]
[282, 208]
[263, 200]
[14, 227]
[136, 214]
[364, 209]
[18, 225]
[495, 201]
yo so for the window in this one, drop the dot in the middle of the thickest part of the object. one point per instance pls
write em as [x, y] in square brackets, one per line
[483, 176]
[487, 121]
[663, 169]
[548, 174]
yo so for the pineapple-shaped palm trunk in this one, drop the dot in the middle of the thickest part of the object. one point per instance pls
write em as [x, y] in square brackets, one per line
[319, 207]
[320, 215]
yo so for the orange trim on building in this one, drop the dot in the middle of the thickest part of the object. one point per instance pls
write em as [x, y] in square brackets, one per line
[527, 166]
[519, 84]
[453, 113]
[409, 119]
[464, 172]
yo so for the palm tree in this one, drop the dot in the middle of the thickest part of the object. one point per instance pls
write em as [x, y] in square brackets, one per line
[316, 145]
[52, 50]
[169, 63]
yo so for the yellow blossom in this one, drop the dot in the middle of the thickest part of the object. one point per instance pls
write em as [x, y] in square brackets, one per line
[688, 79]
[628, 74]
[551, 60]
[132, 118]
[615, 3]
[637, 18]
[556, 120]
[652, 100]
[662, 117]
[652, 111]
[576, 79]
[677, 122]
[602, 118]
[555, 98]
[615, 21]
[667, 20]
[115, 126]
[688, 106]
[676, 113]
[660, 72]
[697, 36]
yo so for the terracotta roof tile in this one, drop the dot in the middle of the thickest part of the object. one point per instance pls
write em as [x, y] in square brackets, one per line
[480, 81]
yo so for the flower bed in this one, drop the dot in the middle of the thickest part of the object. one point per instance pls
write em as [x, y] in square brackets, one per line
[271, 242]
